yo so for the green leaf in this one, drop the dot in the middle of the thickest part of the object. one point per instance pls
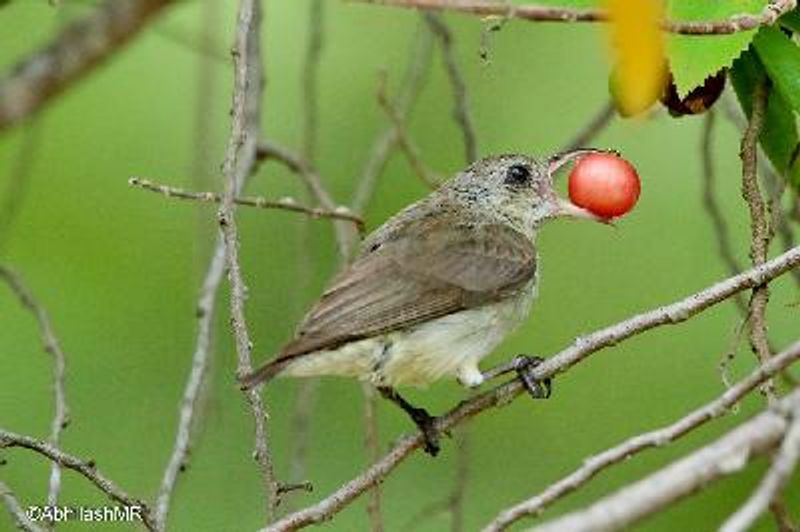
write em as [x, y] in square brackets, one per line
[781, 57]
[779, 136]
[791, 20]
[693, 58]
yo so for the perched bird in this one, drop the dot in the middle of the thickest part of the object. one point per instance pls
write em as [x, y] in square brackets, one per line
[436, 288]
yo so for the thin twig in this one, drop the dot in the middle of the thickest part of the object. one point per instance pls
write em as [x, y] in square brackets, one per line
[240, 158]
[596, 125]
[774, 180]
[760, 232]
[461, 112]
[300, 427]
[385, 142]
[87, 468]
[372, 445]
[428, 177]
[724, 247]
[206, 306]
[73, 53]
[287, 204]
[12, 505]
[346, 238]
[462, 115]
[19, 179]
[660, 437]
[500, 395]
[307, 390]
[783, 521]
[53, 347]
[535, 13]
[783, 465]
[310, 80]
[459, 491]
[725, 456]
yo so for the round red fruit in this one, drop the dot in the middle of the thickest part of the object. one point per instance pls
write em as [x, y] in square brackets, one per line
[605, 184]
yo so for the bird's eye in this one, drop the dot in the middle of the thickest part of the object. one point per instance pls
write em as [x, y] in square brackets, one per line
[518, 174]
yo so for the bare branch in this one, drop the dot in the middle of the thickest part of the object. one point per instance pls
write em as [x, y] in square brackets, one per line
[385, 142]
[19, 178]
[206, 306]
[461, 111]
[724, 247]
[315, 41]
[761, 233]
[653, 439]
[503, 394]
[346, 239]
[372, 445]
[596, 125]
[53, 347]
[87, 468]
[304, 402]
[240, 158]
[723, 457]
[428, 177]
[81, 46]
[12, 505]
[783, 521]
[287, 204]
[783, 466]
[535, 13]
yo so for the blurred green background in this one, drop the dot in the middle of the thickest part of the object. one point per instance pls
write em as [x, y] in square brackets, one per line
[118, 269]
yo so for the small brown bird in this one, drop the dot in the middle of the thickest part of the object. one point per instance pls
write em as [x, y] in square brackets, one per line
[436, 288]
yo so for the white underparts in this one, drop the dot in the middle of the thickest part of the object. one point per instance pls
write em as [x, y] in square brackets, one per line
[448, 346]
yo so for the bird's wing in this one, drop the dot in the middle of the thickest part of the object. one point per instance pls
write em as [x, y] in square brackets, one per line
[438, 269]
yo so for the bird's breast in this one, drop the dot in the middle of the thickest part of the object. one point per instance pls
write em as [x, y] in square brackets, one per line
[441, 347]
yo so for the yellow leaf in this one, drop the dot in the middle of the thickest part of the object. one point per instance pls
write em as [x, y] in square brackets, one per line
[638, 44]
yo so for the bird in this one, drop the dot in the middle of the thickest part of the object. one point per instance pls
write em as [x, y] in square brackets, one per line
[436, 288]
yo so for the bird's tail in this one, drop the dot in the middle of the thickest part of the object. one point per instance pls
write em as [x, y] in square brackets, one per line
[263, 374]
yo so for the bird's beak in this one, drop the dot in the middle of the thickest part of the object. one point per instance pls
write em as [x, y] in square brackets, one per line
[567, 208]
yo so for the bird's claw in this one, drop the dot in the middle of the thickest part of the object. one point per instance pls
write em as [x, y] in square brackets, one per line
[538, 389]
[427, 425]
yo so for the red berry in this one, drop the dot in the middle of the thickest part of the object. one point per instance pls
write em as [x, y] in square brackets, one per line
[605, 184]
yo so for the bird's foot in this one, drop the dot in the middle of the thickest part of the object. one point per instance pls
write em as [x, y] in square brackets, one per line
[421, 418]
[427, 426]
[524, 365]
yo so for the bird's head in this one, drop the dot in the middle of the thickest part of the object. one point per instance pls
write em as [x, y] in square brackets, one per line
[517, 188]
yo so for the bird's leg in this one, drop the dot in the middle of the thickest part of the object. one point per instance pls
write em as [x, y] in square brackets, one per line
[523, 365]
[424, 421]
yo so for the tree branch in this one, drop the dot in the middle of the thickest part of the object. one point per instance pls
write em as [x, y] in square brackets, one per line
[503, 394]
[724, 247]
[346, 239]
[655, 438]
[206, 310]
[53, 347]
[428, 177]
[12, 505]
[287, 204]
[80, 47]
[240, 157]
[760, 232]
[773, 482]
[87, 468]
[372, 446]
[723, 457]
[461, 112]
[534, 13]
[385, 142]
[596, 125]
